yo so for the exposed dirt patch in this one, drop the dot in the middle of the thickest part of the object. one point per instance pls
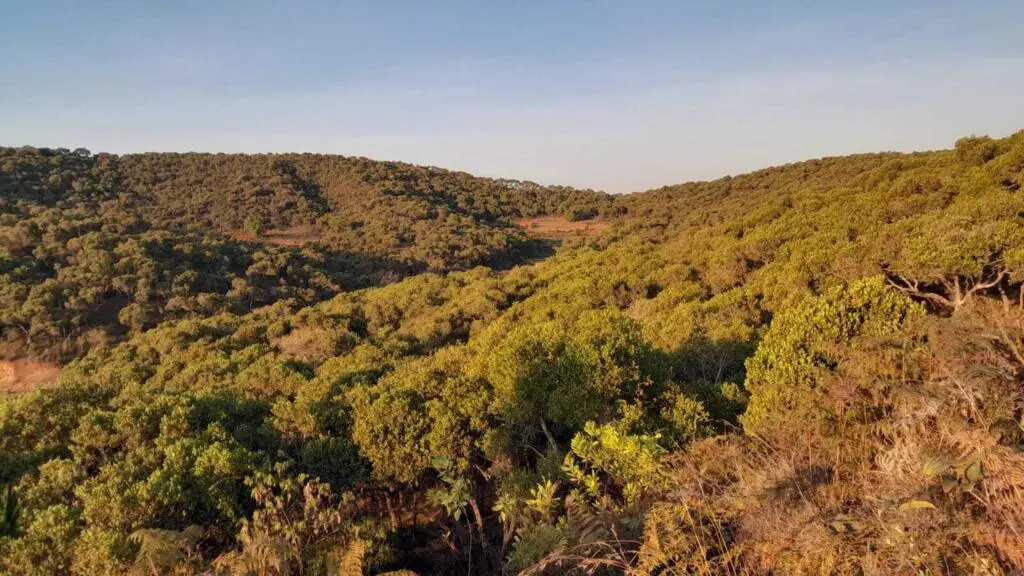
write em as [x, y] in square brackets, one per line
[294, 236]
[559, 227]
[19, 376]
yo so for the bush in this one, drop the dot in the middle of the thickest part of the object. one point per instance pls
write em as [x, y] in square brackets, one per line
[580, 214]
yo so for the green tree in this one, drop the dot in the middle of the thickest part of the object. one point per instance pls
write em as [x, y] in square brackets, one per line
[788, 374]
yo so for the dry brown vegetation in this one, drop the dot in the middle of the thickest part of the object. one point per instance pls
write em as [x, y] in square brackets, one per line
[293, 236]
[560, 227]
[927, 479]
[19, 376]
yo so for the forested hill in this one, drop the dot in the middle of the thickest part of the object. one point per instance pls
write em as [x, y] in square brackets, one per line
[95, 245]
[809, 369]
[362, 205]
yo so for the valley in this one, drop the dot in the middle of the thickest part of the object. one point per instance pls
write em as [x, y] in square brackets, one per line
[315, 364]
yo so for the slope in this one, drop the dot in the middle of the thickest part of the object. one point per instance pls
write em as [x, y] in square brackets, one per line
[95, 246]
[810, 369]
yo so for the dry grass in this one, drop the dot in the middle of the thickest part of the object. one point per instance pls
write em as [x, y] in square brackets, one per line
[866, 497]
[560, 228]
[923, 474]
[20, 376]
[294, 236]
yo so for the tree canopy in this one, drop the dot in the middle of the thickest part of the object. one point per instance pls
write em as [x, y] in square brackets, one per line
[307, 364]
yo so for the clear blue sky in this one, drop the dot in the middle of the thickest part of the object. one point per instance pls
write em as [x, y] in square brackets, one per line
[619, 95]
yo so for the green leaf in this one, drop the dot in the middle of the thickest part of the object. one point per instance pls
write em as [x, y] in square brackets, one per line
[916, 505]
[935, 466]
[973, 472]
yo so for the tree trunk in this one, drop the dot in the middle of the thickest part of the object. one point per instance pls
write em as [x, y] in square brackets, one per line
[477, 516]
[551, 439]
[508, 532]
[391, 511]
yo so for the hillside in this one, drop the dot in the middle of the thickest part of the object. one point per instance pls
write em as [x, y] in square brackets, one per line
[809, 369]
[95, 246]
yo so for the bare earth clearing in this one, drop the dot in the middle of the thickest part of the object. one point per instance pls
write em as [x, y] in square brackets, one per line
[560, 228]
[294, 236]
[19, 376]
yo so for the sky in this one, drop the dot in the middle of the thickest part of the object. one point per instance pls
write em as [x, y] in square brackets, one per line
[616, 95]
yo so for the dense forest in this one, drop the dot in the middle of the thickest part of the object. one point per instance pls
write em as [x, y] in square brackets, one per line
[816, 368]
[93, 247]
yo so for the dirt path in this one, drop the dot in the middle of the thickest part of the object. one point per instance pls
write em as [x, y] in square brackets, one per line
[19, 376]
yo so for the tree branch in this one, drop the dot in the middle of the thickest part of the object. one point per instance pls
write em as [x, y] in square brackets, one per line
[547, 433]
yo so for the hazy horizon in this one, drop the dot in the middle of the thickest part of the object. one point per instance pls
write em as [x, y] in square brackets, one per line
[592, 94]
